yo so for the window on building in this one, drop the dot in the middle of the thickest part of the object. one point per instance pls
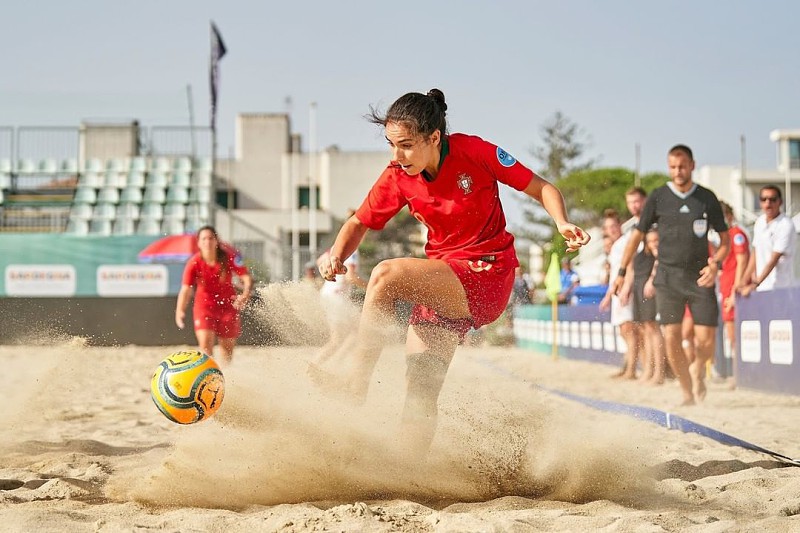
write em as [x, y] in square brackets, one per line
[794, 153]
[304, 198]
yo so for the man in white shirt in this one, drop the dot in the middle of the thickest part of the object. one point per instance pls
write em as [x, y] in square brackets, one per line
[771, 264]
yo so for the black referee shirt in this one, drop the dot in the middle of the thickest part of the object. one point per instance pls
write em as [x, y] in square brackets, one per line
[683, 221]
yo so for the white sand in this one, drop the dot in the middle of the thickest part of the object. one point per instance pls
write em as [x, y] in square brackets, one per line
[94, 454]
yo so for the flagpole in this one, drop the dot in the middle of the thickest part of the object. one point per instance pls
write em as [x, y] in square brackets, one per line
[217, 52]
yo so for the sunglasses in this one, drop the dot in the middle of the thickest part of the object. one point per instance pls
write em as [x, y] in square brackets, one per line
[769, 198]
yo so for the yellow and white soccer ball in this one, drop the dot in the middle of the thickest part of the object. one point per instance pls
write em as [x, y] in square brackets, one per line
[187, 387]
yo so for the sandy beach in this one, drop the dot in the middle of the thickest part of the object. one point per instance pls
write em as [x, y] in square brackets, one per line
[84, 449]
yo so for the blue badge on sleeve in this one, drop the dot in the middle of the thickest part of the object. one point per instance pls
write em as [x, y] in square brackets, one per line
[505, 158]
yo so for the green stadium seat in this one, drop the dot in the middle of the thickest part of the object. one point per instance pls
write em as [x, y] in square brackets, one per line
[138, 164]
[81, 211]
[154, 194]
[93, 165]
[195, 210]
[77, 226]
[69, 166]
[116, 164]
[152, 211]
[172, 226]
[99, 227]
[148, 227]
[128, 210]
[203, 163]
[200, 195]
[201, 178]
[85, 195]
[135, 179]
[156, 178]
[180, 178]
[109, 195]
[26, 166]
[103, 211]
[160, 164]
[131, 195]
[177, 195]
[91, 179]
[182, 164]
[177, 211]
[115, 178]
[48, 166]
[124, 226]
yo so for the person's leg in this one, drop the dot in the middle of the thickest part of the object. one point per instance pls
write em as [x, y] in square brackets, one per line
[643, 351]
[429, 352]
[206, 338]
[428, 282]
[705, 344]
[677, 360]
[626, 331]
[687, 336]
[226, 345]
[656, 343]
[730, 334]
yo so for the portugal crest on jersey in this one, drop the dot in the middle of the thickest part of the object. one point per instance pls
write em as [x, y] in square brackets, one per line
[465, 182]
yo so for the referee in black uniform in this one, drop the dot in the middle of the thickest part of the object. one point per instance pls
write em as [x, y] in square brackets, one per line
[686, 275]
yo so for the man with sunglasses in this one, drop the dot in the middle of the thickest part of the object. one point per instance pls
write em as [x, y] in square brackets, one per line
[771, 264]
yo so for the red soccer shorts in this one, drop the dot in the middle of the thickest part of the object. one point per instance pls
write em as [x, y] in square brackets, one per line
[224, 322]
[488, 287]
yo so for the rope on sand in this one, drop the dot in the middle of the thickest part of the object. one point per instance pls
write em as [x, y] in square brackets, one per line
[648, 414]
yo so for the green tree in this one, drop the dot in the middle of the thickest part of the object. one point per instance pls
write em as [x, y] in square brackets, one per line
[561, 152]
[595, 190]
[564, 145]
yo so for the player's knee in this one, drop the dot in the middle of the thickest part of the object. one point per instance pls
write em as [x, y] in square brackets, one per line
[381, 277]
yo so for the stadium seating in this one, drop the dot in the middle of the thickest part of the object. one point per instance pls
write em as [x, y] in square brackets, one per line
[116, 196]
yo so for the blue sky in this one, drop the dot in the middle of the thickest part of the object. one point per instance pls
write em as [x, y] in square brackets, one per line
[654, 73]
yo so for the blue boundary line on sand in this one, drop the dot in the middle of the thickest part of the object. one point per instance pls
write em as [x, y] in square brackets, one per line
[649, 414]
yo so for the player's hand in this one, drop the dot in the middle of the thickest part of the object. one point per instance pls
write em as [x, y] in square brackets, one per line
[747, 289]
[329, 266]
[180, 316]
[605, 303]
[574, 236]
[617, 283]
[649, 289]
[729, 303]
[239, 302]
[708, 274]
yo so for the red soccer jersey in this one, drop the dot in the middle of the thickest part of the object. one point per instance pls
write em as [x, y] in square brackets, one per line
[211, 291]
[739, 245]
[461, 207]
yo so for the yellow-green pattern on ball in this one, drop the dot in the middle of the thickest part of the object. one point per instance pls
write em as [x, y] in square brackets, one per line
[187, 387]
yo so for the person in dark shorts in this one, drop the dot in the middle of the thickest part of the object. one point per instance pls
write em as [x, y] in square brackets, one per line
[684, 212]
[645, 312]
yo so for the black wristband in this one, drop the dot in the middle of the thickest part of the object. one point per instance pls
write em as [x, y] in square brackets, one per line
[621, 272]
[719, 265]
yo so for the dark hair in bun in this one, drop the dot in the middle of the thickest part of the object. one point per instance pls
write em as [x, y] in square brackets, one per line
[421, 113]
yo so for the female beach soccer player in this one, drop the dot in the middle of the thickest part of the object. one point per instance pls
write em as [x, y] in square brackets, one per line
[216, 302]
[449, 182]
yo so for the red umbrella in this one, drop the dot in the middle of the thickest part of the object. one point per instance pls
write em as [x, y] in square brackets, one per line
[176, 249]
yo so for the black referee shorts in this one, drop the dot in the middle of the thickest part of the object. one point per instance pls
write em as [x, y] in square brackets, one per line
[644, 309]
[675, 289]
